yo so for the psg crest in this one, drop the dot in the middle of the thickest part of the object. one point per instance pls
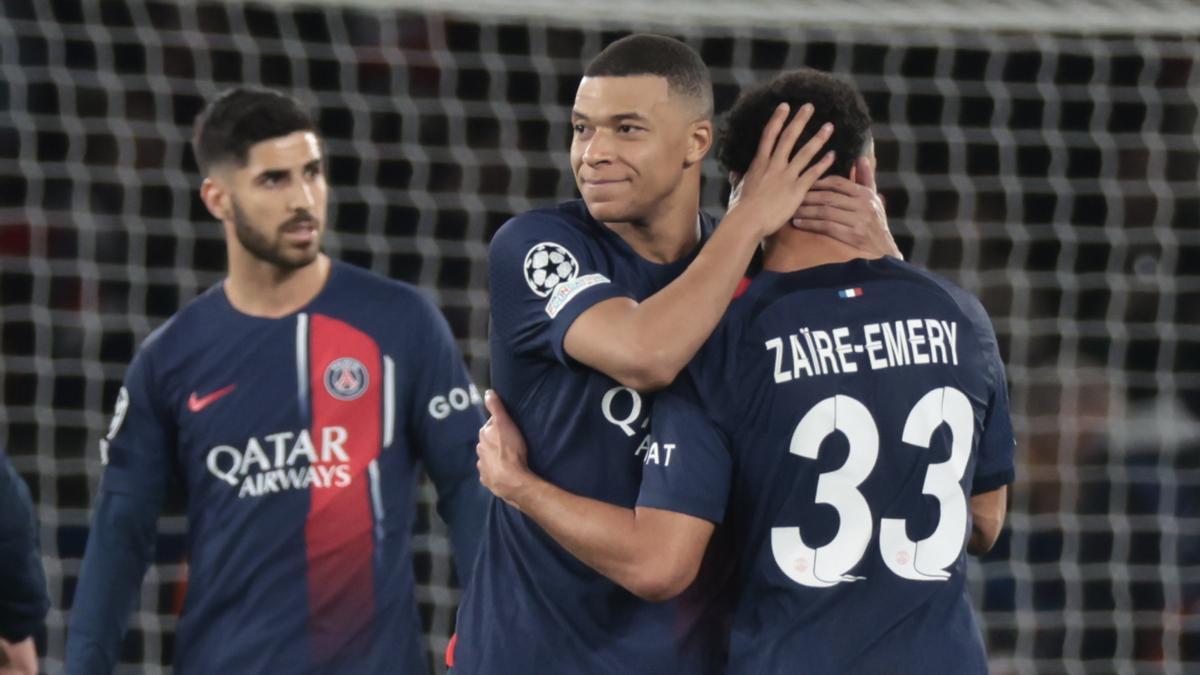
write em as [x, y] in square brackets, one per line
[346, 379]
[548, 265]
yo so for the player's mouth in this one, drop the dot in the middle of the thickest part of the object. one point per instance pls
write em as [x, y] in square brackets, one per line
[302, 232]
[603, 185]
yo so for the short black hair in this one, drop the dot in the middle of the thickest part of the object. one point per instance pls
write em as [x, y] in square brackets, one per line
[661, 56]
[833, 100]
[238, 118]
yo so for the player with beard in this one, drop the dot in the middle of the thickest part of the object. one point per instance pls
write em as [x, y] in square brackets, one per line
[291, 404]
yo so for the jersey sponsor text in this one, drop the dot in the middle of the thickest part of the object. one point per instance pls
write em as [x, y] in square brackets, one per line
[274, 463]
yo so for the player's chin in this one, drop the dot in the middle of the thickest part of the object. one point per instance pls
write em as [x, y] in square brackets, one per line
[295, 257]
[609, 211]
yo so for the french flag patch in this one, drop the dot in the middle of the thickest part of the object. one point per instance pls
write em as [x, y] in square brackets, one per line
[850, 293]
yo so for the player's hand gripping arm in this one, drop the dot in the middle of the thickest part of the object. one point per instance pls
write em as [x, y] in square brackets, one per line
[645, 345]
[850, 211]
[987, 519]
[653, 553]
[119, 549]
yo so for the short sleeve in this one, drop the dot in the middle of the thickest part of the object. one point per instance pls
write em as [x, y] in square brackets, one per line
[543, 273]
[997, 444]
[688, 467]
[138, 449]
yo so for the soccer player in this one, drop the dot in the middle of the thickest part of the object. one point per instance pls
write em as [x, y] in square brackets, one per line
[595, 303]
[291, 403]
[23, 599]
[848, 425]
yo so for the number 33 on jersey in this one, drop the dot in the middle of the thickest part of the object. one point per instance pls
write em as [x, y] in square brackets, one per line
[925, 560]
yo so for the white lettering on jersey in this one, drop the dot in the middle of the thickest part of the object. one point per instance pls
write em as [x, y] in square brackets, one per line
[442, 406]
[635, 409]
[660, 454]
[567, 290]
[547, 265]
[627, 421]
[811, 352]
[114, 425]
[119, 411]
[256, 472]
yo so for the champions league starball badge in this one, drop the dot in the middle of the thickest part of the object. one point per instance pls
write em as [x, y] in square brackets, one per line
[346, 379]
[548, 265]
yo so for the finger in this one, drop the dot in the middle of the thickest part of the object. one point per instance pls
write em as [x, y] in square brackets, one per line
[846, 234]
[840, 185]
[865, 174]
[815, 171]
[770, 134]
[843, 218]
[812, 147]
[496, 407]
[828, 228]
[791, 134]
[835, 200]
[489, 435]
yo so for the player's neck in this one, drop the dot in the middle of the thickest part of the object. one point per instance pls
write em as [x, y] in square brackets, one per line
[791, 250]
[670, 233]
[264, 290]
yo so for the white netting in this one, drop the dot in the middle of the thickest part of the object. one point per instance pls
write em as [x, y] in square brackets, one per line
[1054, 174]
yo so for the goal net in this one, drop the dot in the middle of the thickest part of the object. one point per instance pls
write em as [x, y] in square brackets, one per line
[1042, 154]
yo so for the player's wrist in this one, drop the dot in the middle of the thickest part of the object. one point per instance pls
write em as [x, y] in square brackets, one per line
[745, 224]
[527, 488]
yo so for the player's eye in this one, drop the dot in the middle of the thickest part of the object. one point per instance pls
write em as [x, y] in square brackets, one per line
[579, 128]
[627, 129]
[312, 170]
[271, 178]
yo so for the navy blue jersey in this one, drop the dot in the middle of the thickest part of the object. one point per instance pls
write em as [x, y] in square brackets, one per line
[532, 606]
[297, 441]
[23, 598]
[837, 423]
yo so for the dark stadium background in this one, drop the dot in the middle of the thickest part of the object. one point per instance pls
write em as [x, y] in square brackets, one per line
[1053, 173]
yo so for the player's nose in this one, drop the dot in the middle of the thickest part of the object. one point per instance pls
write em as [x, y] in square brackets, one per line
[302, 196]
[598, 149]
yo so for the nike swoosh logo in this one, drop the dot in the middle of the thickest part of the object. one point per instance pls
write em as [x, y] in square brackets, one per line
[198, 403]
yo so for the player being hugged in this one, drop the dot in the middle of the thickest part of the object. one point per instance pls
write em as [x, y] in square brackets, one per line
[594, 304]
[847, 423]
[291, 402]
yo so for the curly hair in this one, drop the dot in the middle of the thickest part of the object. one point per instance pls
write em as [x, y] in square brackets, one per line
[833, 100]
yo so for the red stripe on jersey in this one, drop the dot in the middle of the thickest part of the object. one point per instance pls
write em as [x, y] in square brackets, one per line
[742, 286]
[450, 650]
[338, 533]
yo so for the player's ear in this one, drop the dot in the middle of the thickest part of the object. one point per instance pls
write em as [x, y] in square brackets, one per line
[700, 140]
[215, 198]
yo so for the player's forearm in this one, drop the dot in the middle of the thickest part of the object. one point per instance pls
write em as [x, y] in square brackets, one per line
[603, 536]
[119, 549]
[654, 340]
[987, 519]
